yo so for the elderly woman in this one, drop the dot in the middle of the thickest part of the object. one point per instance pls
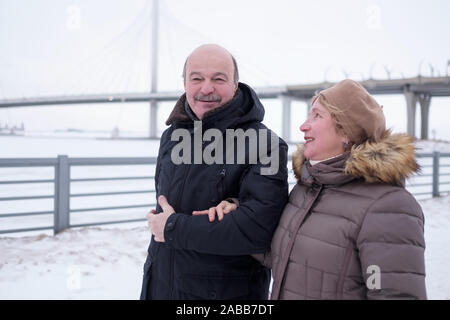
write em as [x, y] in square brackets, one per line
[350, 229]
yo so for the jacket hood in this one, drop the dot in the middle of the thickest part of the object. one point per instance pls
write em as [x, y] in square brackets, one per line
[391, 160]
[244, 107]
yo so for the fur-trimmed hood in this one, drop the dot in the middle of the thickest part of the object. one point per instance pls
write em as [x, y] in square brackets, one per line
[391, 160]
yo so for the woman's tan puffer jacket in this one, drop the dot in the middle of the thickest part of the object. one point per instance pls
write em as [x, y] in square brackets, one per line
[350, 229]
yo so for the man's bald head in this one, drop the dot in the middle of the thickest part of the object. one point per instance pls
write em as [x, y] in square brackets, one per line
[213, 49]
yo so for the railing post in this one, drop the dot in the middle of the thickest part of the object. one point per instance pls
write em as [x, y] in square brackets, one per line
[62, 195]
[286, 118]
[436, 174]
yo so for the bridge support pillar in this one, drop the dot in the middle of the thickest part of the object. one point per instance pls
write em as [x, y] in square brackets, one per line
[411, 101]
[286, 118]
[308, 106]
[153, 130]
[424, 100]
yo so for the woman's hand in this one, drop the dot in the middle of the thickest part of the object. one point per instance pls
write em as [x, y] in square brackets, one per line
[220, 210]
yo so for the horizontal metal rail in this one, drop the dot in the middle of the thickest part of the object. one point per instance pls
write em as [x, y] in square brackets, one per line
[28, 162]
[26, 198]
[110, 161]
[430, 155]
[106, 222]
[27, 181]
[113, 208]
[110, 193]
[112, 179]
[23, 214]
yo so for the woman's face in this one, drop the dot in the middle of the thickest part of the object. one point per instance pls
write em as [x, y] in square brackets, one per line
[322, 140]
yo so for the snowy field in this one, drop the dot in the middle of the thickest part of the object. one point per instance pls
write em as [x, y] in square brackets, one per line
[88, 263]
[106, 262]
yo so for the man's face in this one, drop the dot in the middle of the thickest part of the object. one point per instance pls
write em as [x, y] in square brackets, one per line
[209, 79]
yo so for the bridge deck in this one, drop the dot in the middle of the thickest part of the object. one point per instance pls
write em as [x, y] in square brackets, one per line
[435, 87]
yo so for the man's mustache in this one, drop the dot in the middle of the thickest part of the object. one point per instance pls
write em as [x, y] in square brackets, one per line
[208, 98]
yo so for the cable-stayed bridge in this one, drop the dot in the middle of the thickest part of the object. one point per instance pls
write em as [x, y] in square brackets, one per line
[121, 83]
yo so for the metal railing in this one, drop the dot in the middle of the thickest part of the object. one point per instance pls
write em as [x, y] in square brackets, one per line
[436, 174]
[62, 187]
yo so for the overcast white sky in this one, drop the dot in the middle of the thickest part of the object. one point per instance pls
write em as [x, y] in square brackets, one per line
[79, 46]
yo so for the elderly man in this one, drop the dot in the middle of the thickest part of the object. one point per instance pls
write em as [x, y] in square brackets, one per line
[189, 257]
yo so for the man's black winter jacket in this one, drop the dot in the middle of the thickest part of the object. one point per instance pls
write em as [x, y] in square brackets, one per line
[203, 260]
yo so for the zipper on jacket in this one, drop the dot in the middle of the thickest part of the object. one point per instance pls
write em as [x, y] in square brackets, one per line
[220, 186]
[284, 256]
[171, 280]
[171, 273]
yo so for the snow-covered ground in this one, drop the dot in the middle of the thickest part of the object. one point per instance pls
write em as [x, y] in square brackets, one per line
[106, 262]
[88, 263]
[437, 241]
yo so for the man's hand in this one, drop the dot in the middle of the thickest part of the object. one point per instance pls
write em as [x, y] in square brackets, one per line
[221, 209]
[157, 222]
